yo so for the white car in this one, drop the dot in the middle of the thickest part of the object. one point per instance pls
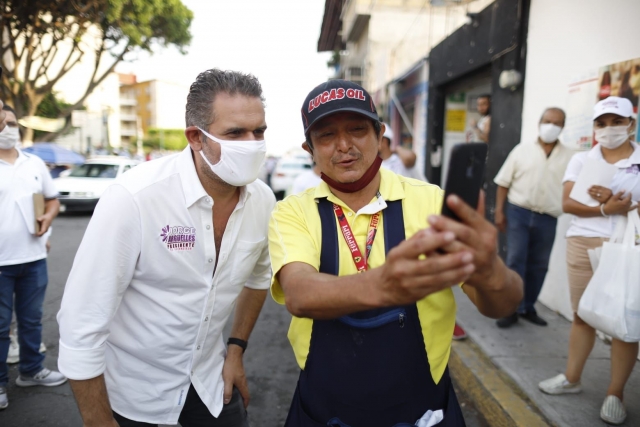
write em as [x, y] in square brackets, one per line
[81, 187]
[287, 169]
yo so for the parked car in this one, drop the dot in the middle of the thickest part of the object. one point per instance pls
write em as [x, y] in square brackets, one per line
[80, 188]
[286, 170]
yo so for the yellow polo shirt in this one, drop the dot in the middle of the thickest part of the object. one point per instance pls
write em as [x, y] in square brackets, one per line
[295, 235]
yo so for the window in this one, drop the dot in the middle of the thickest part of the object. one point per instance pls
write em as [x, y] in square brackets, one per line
[95, 170]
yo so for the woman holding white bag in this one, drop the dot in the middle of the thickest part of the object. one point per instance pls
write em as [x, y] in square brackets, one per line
[614, 125]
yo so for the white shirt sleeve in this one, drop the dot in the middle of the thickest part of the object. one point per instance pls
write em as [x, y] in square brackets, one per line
[101, 272]
[574, 167]
[261, 275]
[504, 178]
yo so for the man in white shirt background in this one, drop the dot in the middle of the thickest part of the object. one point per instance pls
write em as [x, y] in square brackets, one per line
[307, 179]
[23, 256]
[528, 203]
[399, 159]
[171, 250]
[482, 127]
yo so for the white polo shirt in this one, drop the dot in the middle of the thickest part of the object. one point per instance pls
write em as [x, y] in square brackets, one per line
[18, 183]
[142, 305]
[627, 179]
[533, 179]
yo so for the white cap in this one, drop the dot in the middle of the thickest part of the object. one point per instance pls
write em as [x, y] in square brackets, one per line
[613, 105]
[388, 133]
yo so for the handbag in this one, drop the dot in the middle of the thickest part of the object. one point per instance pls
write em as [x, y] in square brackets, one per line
[611, 302]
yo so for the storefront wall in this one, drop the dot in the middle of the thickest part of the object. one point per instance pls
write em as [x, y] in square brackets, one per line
[568, 40]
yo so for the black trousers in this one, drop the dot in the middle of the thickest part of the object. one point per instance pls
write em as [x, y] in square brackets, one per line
[196, 414]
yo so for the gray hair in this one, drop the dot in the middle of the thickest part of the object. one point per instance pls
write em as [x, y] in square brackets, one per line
[556, 110]
[210, 83]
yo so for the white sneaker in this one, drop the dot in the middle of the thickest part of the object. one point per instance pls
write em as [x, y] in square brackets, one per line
[45, 377]
[559, 385]
[613, 411]
[14, 350]
[4, 402]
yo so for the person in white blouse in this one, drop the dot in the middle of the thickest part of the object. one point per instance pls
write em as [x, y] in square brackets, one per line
[172, 248]
[613, 123]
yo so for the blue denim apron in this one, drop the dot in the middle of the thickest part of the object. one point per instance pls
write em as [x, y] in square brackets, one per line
[368, 369]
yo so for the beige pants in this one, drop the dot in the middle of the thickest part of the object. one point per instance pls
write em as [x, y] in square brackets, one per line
[579, 266]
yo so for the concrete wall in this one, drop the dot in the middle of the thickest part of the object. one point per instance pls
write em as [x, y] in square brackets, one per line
[567, 39]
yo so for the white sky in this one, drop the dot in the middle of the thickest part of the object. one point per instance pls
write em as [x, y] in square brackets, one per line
[274, 40]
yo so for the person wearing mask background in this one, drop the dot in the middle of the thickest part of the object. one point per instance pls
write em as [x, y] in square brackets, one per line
[590, 227]
[398, 159]
[23, 257]
[528, 203]
[483, 126]
[172, 249]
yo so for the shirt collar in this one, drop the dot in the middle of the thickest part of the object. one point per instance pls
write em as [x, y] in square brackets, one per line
[390, 188]
[634, 159]
[191, 185]
[22, 157]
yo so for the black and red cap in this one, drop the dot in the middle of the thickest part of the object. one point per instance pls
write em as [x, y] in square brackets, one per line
[333, 97]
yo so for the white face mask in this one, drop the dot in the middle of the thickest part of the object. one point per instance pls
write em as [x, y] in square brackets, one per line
[9, 137]
[549, 132]
[612, 137]
[240, 161]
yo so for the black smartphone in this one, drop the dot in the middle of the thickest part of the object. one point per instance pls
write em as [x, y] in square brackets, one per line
[465, 175]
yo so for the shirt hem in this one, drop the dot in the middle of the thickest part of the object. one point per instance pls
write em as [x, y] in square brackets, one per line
[22, 261]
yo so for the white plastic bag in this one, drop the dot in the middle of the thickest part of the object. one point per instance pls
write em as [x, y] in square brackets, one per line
[611, 302]
[616, 237]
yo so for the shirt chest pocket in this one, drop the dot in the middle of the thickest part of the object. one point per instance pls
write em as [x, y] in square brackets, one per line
[30, 183]
[244, 258]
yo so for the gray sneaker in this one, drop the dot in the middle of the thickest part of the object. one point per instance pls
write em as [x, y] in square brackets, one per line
[4, 402]
[45, 377]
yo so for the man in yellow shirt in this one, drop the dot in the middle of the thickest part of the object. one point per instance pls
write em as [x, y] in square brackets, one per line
[373, 313]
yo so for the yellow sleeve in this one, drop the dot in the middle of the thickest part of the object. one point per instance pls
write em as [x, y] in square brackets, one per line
[291, 240]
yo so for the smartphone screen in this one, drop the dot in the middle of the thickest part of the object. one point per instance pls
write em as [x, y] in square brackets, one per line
[465, 174]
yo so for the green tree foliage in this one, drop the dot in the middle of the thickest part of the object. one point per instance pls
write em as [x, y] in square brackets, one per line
[44, 39]
[165, 139]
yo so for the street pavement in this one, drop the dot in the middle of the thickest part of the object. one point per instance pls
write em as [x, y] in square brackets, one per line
[269, 361]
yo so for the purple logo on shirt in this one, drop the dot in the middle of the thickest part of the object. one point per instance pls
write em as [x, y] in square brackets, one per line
[179, 238]
[633, 169]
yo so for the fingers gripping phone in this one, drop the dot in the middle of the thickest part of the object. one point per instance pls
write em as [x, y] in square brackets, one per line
[465, 175]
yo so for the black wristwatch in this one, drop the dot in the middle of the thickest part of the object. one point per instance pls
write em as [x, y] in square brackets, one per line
[238, 342]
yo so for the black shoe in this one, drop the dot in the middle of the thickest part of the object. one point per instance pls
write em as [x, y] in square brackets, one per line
[533, 317]
[508, 321]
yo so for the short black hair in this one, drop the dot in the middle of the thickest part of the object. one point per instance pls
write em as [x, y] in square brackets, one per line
[377, 128]
[485, 95]
[5, 107]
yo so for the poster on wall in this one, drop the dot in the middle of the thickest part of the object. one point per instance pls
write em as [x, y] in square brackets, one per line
[619, 79]
[578, 129]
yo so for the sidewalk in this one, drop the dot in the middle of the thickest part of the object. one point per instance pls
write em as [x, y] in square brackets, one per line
[528, 354]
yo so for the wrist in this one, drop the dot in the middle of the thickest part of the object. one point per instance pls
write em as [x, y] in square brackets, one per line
[602, 211]
[493, 280]
[236, 345]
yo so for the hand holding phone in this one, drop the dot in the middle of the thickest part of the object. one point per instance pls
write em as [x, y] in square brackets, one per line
[465, 175]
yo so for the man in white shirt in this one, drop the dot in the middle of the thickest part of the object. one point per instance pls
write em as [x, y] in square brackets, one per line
[399, 159]
[482, 127]
[528, 203]
[23, 256]
[307, 179]
[171, 250]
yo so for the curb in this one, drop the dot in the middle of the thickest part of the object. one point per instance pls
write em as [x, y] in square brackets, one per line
[500, 401]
